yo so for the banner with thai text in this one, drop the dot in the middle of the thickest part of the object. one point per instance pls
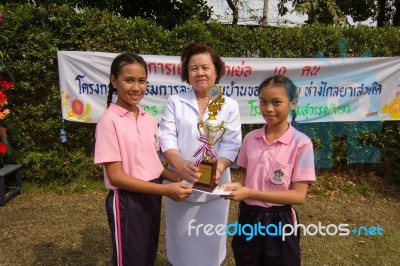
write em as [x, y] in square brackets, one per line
[330, 89]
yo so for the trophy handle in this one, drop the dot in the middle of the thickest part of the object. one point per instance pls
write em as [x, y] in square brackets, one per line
[200, 127]
[222, 128]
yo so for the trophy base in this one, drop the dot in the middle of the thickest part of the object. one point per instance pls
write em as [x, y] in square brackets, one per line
[206, 181]
[204, 187]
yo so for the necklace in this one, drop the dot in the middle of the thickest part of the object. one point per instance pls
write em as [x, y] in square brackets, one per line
[202, 104]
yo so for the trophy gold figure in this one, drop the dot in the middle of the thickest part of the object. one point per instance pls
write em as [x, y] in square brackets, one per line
[211, 131]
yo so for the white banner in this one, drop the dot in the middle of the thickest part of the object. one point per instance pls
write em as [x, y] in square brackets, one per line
[330, 89]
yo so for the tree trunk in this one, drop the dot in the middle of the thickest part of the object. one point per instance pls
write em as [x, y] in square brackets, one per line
[396, 16]
[264, 19]
[235, 12]
[381, 18]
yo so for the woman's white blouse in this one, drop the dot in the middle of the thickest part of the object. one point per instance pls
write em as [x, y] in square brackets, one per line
[178, 128]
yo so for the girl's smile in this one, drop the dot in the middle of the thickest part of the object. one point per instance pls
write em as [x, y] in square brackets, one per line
[274, 105]
[131, 85]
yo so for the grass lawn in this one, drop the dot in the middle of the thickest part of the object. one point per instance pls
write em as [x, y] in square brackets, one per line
[66, 225]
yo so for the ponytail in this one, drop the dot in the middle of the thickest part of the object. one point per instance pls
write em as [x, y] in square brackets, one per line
[111, 91]
[294, 123]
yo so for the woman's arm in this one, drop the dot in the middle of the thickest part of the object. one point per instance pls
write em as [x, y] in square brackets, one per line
[185, 169]
[222, 164]
[170, 175]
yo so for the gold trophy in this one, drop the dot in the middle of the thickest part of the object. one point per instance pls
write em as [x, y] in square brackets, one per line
[211, 131]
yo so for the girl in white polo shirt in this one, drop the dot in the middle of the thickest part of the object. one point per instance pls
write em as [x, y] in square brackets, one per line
[279, 163]
[127, 147]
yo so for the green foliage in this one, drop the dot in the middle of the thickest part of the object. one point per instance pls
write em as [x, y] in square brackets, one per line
[334, 12]
[325, 11]
[363, 189]
[387, 140]
[38, 32]
[165, 13]
[59, 164]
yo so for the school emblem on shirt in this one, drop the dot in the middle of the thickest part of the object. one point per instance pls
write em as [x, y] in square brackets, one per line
[276, 179]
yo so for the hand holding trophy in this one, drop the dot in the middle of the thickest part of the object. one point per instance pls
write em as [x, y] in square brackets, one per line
[211, 131]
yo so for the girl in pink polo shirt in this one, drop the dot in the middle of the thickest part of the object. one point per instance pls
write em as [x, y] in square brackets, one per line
[279, 163]
[127, 147]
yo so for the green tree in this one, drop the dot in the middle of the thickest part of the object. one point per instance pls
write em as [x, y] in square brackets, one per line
[396, 15]
[318, 11]
[388, 13]
[165, 13]
[358, 10]
[334, 12]
[382, 11]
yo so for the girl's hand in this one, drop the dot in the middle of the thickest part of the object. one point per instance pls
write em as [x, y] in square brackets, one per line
[238, 192]
[178, 191]
[230, 186]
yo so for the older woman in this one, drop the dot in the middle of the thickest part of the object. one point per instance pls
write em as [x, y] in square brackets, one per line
[188, 243]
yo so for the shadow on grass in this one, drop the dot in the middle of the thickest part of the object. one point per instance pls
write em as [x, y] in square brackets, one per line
[92, 250]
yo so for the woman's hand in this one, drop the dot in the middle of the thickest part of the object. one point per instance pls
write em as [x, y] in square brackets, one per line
[187, 170]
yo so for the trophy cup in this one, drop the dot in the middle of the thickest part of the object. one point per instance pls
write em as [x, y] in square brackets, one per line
[211, 131]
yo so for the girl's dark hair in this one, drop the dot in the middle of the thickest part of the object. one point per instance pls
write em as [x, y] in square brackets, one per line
[291, 91]
[119, 62]
[199, 48]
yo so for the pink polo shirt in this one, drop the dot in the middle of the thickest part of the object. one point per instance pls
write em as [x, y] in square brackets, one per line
[275, 166]
[134, 142]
